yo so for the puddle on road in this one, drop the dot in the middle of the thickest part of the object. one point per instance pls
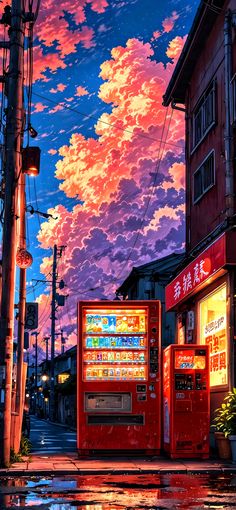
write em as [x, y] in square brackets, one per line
[128, 492]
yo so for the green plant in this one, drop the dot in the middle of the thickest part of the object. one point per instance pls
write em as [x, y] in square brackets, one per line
[25, 449]
[225, 419]
[15, 457]
[25, 446]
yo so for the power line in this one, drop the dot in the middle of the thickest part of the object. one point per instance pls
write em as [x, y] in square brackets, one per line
[158, 163]
[90, 116]
[159, 160]
[160, 155]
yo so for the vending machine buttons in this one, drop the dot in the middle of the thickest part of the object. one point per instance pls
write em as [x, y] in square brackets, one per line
[183, 382]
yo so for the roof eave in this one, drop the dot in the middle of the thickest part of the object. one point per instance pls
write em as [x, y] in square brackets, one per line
[176, 88]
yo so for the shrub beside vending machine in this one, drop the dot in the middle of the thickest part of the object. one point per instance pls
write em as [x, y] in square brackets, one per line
[186, 401]
[119, 387]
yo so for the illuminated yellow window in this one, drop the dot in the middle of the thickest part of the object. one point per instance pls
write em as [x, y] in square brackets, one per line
[213, 331]
[63, 378]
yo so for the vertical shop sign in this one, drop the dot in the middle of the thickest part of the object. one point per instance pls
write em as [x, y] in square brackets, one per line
[215, 336]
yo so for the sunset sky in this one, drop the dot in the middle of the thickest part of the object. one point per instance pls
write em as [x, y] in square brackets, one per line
[112, 166]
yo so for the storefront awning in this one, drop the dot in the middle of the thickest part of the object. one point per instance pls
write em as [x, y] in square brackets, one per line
[205, 268]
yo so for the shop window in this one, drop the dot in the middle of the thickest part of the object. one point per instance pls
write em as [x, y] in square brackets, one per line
[204, 115]
[213, 332]
[62, 378]
[204, 177]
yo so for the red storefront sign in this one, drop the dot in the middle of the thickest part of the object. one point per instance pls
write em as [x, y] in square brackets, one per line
[196, 273]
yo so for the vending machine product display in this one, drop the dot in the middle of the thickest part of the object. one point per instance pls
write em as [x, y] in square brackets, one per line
[186, 401]
[119, 401]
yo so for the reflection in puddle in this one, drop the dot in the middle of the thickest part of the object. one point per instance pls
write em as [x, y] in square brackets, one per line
[151, 492]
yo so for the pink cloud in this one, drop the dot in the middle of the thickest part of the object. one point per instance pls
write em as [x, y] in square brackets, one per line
[168, 23]
[116, 174]
[52, 29]
[59, 88]
[81, 91]
[156, 35]
[56, 108]
[175, 47]
[44, 62]
[52, 152]
[39, 107]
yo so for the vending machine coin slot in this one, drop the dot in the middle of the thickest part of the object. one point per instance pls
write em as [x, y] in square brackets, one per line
[200, 382]
[141, 388]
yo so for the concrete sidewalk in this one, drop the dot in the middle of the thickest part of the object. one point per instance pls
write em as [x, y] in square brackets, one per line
[68, 464]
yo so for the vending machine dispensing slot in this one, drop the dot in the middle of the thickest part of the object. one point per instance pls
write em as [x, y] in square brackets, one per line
[118, 363]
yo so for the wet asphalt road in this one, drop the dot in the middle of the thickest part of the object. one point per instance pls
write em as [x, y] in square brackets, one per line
[151, 492]
[48, 439]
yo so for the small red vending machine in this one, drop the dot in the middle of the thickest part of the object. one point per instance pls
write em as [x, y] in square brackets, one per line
[119, 386]
[186, 401]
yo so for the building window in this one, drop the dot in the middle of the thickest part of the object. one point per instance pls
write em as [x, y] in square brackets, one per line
[62, 378]
[213, 332]
[204, 177]
[204, 116]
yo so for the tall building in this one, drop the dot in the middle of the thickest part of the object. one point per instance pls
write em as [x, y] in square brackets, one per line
[203, 293]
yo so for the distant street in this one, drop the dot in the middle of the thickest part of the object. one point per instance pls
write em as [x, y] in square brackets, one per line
[49, 439]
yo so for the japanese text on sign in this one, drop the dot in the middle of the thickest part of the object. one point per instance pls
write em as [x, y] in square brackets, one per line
[211, 260]
[189, 280]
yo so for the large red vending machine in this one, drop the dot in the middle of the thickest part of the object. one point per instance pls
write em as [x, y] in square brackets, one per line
[186, 401]
[119, 386]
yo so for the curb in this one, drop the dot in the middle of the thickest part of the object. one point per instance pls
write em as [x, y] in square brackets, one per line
[109, 471]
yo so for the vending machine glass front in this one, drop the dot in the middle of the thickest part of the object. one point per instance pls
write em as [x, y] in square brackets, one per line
[115, 344]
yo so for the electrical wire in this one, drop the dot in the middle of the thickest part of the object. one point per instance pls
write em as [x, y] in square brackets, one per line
[44, 321]
[37, 10]
[68, 315]
[36, 201]
[160, 156]
[159, 160]
[90, 116]
[41, 317]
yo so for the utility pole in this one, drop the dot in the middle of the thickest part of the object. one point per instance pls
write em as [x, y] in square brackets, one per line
[22, 301]
[57, 253]
[46, 339]
[14, 122]
[53, 323]
[36, 334]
